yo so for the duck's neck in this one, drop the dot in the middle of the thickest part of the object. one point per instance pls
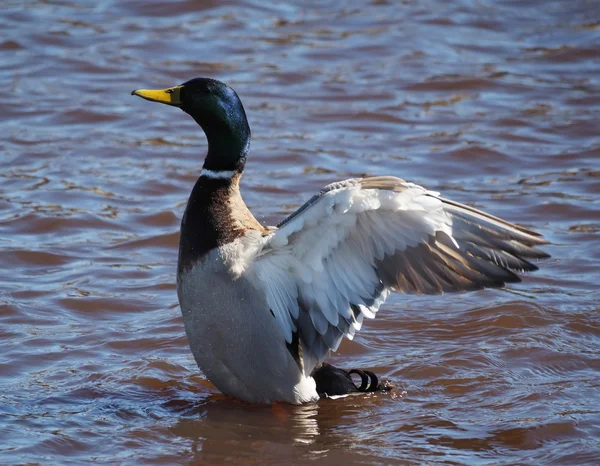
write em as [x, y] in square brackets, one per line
[228, 142]
[215, 215]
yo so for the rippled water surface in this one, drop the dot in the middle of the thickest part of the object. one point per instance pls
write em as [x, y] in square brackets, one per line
[493, 103]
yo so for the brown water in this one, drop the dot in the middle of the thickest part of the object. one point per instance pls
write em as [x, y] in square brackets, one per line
[494, 103]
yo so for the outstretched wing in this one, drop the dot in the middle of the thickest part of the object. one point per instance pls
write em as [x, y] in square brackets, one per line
[335, 260]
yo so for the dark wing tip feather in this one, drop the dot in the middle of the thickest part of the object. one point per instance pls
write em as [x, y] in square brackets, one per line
[483, 219]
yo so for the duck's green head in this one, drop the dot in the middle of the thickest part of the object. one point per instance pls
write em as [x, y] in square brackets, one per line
[218, 110]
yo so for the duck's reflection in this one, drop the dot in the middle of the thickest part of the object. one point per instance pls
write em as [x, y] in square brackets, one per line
[233, 431]
[277, 422]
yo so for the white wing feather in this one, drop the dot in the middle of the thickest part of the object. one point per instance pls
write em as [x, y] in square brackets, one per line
[336, 259]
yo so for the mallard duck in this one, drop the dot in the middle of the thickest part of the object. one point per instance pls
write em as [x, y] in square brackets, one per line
[263, 306]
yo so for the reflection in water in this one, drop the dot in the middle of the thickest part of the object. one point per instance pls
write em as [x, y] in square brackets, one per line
[220, 422]
[249, 432]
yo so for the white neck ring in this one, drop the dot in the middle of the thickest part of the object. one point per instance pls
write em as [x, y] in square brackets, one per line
[218, 175]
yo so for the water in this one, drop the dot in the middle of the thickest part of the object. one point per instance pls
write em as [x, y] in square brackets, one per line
[493, 103]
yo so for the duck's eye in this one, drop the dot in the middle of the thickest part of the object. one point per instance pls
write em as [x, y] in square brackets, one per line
[169, 91]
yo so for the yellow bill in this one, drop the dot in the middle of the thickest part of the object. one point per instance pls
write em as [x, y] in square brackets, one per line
[170, 96]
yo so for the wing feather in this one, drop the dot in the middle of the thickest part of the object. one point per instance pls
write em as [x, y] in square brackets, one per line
[334, 261]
